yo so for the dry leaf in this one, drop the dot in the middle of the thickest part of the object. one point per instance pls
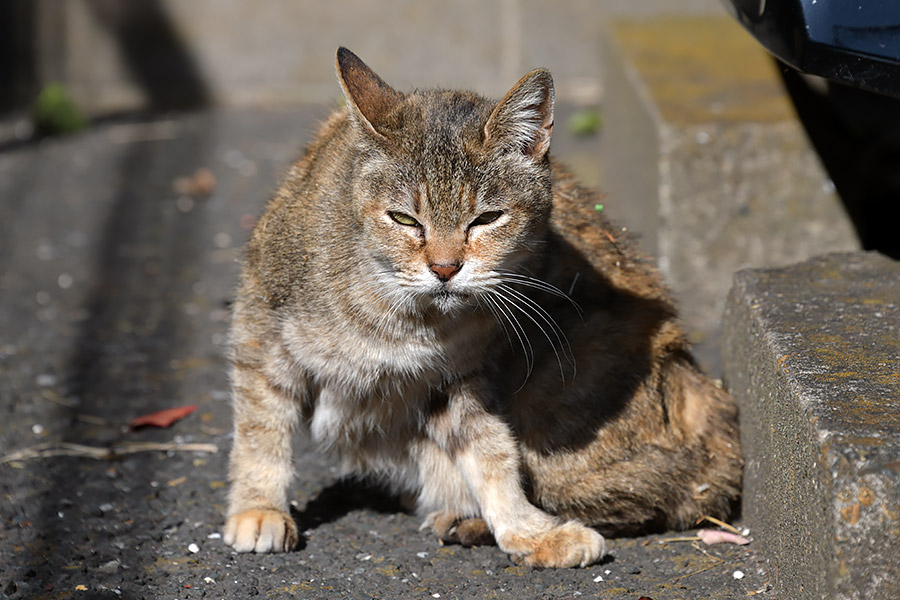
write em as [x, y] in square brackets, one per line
[201, 183]
[712, 536]
[163, 418]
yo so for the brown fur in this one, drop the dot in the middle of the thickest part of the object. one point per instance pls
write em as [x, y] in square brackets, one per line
[440, 305]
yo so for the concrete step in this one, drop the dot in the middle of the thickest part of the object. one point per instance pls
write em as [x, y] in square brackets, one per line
[122, 56]
[707, 162]
[812, 353]
[116, 56]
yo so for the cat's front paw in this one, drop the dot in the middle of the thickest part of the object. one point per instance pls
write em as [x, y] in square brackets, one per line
[567, 545]
[452, 528]
[261, 530]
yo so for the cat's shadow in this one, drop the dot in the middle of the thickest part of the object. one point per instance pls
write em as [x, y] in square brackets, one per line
[340, 499]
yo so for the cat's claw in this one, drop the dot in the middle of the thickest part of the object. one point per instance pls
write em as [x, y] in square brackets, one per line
[261, 530]
[567, 545]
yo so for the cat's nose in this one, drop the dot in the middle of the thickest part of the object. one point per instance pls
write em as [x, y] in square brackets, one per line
[444, 271]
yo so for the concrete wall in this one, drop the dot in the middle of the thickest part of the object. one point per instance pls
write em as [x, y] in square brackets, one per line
[116, 55]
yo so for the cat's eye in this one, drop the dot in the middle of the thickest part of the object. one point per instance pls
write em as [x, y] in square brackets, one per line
[487, 217]
[403, 219]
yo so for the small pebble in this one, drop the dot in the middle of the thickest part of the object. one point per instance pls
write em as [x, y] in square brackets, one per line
[184, 203]
[45, 380]
[110, 567]
[247, 222]
[77, 239]
[598, 578]
[214, 536]
[234, 158]
[222, 240]
[421, 554]
[37, 429]
[738, 574]
[193, 548]
[247, 168]
[45, 250]
[23, 129]
[209, 580]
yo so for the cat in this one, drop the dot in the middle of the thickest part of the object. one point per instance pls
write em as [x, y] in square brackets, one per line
[440, 305]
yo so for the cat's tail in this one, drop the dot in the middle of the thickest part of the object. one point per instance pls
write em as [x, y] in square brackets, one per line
[689, 469]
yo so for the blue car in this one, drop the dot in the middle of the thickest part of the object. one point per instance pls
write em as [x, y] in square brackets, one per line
[854, 42]
[852, 114]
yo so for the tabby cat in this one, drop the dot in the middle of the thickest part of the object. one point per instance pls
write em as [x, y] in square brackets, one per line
[440, 305]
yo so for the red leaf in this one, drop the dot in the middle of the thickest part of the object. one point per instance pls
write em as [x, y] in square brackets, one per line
[163, 418]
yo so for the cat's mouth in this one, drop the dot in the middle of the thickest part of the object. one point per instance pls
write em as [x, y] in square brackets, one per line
[446, 293]
[446, 299]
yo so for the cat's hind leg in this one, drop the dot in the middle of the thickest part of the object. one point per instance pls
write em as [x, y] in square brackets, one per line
[451, 512]
[453, 528]
[484, 451]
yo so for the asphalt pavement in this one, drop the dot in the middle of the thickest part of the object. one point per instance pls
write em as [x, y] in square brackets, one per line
[119, 251]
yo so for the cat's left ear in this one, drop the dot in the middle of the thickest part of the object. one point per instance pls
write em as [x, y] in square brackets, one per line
[369, 96]
[523, 120]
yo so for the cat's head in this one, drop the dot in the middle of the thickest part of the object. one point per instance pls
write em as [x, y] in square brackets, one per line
[453, 191]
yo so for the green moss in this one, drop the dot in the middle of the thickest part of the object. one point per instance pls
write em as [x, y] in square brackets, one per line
[585, 122]
[703, 69]
[54, 112]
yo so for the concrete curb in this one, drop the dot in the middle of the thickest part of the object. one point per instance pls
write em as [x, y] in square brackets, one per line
[710, 158]
[812, 353]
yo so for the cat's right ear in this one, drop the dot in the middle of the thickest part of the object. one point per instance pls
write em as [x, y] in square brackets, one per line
[370, 98]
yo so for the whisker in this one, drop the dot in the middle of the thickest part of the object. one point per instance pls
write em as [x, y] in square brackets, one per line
[395, 304]
[547, 318]
[500, 302]
[574, 281]
[527, 349]
[528, 304]
[533, 282]
[497, 316]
